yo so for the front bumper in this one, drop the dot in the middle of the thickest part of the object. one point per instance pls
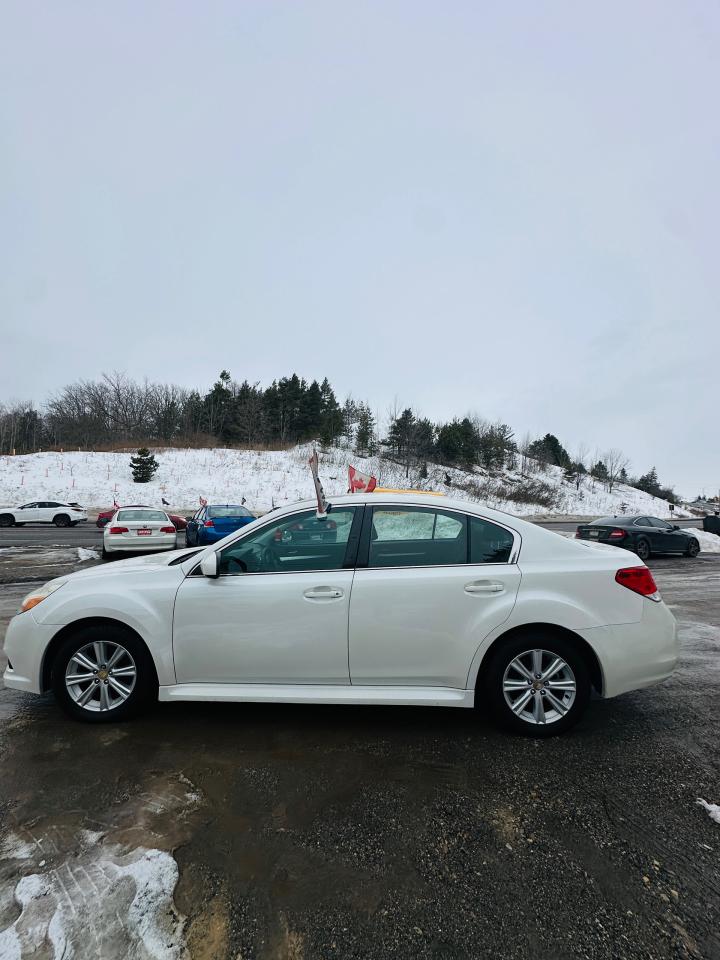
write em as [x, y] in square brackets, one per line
[636, 655]
[25, 643]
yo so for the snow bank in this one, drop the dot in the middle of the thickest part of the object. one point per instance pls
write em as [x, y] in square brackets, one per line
[85, 554]
[709, 542]
[267, 478]
[712, 808]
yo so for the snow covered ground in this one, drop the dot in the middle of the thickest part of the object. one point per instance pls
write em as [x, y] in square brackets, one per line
[268, 478]
[709, 542]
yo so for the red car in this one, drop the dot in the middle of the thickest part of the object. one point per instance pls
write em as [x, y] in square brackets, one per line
[178, 522]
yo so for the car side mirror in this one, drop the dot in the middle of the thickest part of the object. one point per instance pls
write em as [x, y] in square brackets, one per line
[675, 527]
[209, 565]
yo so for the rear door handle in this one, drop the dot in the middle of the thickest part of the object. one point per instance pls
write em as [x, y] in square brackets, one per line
[323, 593]
[484, 586]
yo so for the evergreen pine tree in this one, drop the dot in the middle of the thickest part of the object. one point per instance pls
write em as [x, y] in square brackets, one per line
[144, 466]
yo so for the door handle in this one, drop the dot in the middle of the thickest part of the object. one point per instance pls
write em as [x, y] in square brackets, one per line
[484, 586]
[323, 593]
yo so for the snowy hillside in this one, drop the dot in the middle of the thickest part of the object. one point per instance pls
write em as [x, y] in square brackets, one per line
[266, 478]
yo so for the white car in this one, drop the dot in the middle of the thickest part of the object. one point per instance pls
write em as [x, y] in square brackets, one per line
[392, 599]
[43, 511]
[138, 530]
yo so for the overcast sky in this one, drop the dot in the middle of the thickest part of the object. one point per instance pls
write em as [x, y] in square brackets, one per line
[505, 208]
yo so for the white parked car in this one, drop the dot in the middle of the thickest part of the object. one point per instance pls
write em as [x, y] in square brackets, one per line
[43, 511]
[392, 599]
[138, 530]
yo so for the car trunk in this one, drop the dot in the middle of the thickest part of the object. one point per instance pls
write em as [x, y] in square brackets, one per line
[601, 533]
[226, 525]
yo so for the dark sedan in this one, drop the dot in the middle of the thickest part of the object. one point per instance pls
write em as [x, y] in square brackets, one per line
[643, 535]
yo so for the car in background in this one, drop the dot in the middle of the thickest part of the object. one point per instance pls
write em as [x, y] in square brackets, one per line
[643, 535]
[411, 602]
[212, 522]
[138, 530]
[103, 518]
[43, 511]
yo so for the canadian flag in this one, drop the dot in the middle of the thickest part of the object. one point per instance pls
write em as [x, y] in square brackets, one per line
[360, 482]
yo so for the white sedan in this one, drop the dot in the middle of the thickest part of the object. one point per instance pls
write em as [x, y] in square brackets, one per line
[138, 530]
[43, 511]
[392, 599]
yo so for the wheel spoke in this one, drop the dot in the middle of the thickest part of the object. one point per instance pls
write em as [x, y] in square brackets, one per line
[119, 688]
[538, 709]
[554, 667]
[519, 704]
[76, 678]
[124, 672]
[86, 694]
[99, 648]
[515, 685]
[116, 655]
[537, 662]
[561, 707]
[104, 697]
[521, 668]
[84, 661]
[561, 685]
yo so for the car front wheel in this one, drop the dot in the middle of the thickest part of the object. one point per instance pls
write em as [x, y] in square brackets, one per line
[537, 685]
[103, 674]
[6, 520]
[62, 520]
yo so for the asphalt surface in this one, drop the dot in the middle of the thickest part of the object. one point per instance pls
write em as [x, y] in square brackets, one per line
[338, 832]
[88, 535]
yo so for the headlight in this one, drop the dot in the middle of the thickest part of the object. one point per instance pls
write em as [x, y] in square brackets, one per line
[37, 596]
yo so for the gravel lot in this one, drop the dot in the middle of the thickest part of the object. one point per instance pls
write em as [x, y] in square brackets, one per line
[291, 832]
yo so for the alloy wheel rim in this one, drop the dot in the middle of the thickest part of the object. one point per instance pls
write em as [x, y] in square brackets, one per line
[100, 676]
[539, 686]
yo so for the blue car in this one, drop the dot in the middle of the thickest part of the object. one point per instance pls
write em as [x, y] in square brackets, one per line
[213, 522]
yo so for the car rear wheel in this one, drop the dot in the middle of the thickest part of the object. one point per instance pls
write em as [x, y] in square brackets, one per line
[642, 548]
[6, 520]
[537, 685]
[693, 548]
[62, 520]
[103, 674]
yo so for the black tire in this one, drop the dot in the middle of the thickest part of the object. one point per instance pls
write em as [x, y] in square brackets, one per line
[105, 555]
[62, 520]
[143, 692]
[19, 524]
[642, 549]
[693, 548]
[187, 539]
[490, 690]
[7, 520]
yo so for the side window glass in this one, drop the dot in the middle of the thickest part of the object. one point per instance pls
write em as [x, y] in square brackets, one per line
[292, 544]
[488, 542]
[416, 537]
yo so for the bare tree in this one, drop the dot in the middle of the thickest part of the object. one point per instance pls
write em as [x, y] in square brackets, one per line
[615, 462]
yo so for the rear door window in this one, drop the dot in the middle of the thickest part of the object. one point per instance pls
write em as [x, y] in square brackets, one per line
[416, 537]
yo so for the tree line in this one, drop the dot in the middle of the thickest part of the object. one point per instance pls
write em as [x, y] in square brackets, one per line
[116, 410]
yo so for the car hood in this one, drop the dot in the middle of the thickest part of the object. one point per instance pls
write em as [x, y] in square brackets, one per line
[149, 562]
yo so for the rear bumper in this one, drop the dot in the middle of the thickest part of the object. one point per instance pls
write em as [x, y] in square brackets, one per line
[142, 545]
[636, 655]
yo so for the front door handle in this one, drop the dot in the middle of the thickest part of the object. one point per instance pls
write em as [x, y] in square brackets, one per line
[323, 593]
[484, 586]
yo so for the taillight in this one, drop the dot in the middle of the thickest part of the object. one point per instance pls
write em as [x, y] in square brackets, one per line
[209, 523]
[639, 580]
[617, 534]
[167, 530]
[119, 530]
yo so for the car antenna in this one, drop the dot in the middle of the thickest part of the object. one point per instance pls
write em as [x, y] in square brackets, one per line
[323, 507]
